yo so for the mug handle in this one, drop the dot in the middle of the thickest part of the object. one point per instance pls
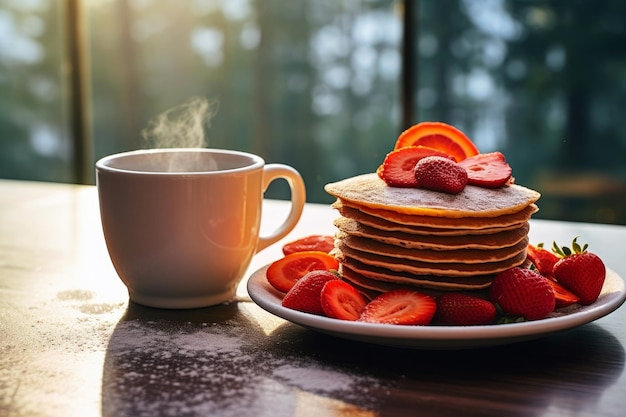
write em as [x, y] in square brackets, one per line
[273, 172]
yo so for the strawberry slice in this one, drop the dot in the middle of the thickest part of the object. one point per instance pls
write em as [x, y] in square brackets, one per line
[563, 296]
[440, 136]
[542, 258]
[400, 307]
[305, 295]
[323, 243]
[397, 168]
[488, 170]
[283, 273]
[341, 300]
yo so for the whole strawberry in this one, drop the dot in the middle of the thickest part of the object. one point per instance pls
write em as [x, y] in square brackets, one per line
[581, 272]
[523, 292]
[458, 309]
[440, 174]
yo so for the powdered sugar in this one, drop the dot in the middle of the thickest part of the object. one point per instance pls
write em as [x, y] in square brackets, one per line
[314, 378]
[187, 369]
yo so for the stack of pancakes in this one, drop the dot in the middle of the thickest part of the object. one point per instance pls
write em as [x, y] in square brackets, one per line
[389, 237]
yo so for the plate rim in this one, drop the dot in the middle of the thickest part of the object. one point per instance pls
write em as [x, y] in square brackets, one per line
[265, 296]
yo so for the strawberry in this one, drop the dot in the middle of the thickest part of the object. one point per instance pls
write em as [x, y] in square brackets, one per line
[340, 300]
[523, 292]
[580, 271]
[306, 293]
[563, 296]
[322, 243]
[285, 272]
[488, 170]
[400, 307]
[460, 309]
[440, 174]
[542, 259]
[397, 168]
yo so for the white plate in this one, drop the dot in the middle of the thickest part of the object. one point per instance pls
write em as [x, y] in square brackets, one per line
[441, 337]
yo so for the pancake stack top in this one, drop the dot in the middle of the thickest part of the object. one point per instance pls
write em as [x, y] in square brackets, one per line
[389, 237]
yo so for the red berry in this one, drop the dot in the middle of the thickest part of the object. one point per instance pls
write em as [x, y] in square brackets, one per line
[342, 301]
[400, 307]
[397, 168]
[460, 309]
[440, 174]
[305, 294]
[488, 170]
[543, 259]
[581, 272]
[523, 292]
[285, 272]
[322, 243]
[563, 296]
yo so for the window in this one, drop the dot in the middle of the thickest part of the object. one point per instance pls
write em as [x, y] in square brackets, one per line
[34, 137]
[325, 86]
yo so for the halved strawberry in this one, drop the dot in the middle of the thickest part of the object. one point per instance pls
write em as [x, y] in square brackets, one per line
[400, 307]
[542, 258]
[488, 170]
[440, 136]
[563, 296]
[323, 243]
[459, 309]
[283, 273]
[341, 300]
[305, 295]
[397, 168]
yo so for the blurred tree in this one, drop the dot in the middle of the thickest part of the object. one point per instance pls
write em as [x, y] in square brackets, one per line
[34, 141]
[565, 72]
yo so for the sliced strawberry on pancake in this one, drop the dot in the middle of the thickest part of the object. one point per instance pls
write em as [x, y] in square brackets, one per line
[440, 136]
[397, 168]
[488, 170]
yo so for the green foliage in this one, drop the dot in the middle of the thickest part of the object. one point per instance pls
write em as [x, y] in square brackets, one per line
[316, 84]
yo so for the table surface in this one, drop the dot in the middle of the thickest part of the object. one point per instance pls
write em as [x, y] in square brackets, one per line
[71, 344]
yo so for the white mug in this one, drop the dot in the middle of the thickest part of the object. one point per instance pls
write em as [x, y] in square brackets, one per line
[182, 225]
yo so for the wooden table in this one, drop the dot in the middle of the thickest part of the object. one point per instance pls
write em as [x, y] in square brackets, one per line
[72, 345]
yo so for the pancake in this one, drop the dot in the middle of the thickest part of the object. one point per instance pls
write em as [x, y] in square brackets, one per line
[370, 191]
[468, 256]
[407, 240]
[372, 287]
[392, 237]
[388, 277]
[390, 220]
[442, 269]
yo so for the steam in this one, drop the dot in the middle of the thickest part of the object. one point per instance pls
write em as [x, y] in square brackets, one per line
[182, 126]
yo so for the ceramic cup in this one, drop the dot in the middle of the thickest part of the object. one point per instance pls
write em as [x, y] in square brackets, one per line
[182, 225]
